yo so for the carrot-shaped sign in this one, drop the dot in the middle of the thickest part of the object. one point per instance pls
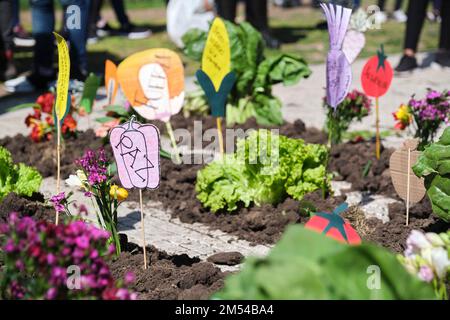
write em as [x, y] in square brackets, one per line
[339, 74]
[62, 103]
[153, 82]
[111, 83]
[136, 151]
[376, 79]
[215, 76]
[334, 226]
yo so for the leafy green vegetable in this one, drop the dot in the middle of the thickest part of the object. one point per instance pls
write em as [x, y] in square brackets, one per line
[252, 94]
[434, 166]
[266, 168]
[308, 265]
[20, 178]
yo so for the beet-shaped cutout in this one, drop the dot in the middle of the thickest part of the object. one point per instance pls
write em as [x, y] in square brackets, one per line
[334, 226]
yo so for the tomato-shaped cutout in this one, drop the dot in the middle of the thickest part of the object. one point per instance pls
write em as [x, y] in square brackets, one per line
[334, 226]
[376, 77]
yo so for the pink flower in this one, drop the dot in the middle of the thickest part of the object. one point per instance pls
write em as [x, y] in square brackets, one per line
[426, 274]
[129, 277]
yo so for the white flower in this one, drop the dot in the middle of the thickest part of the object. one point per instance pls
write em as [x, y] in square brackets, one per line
[417, 241]
[74, 181]
[435, 239]
[82, 176]
[441, 263]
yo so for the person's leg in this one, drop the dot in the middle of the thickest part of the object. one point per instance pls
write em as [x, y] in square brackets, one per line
[15, 13]
[43, 24]
[416, 17]
[94, 16]
[398, 5]
[7, 69]
[256, 14]
[381, 4]
[119, 10]
[226, 9]
[444, 41]
[77, 38]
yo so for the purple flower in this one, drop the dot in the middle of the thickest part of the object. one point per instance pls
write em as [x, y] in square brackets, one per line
[82, 242]
[51, 294]
[57, 201]
[129, 277]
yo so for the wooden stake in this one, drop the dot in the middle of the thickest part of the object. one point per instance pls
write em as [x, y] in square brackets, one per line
[58, 163]
[143, 229]
[378, 143]
[174, 143]
[219, 132]
[408, 187]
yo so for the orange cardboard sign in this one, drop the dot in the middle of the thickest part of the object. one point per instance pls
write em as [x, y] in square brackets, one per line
[153, 82]
[111, 83]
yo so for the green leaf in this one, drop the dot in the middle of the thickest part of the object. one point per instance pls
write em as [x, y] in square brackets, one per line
[194, 42]
[29, 180]
[308, 265]
[120, 110]
[105, 119]
[89, 92]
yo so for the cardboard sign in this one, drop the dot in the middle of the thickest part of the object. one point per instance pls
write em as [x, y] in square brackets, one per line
[334, 226]
[354, 42]
[153, 82]
[215, 77]
[136, 151]
[339, 74]
[89, 92]
[398, 167]
[111, 83]
[62, 84]
[377, 74]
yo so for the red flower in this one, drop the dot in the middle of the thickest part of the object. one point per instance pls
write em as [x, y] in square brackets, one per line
[69, 124]
[46, 102]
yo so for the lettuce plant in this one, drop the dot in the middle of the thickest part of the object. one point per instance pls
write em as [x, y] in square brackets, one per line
[266, 168]
[434, 166]
[308, 265]
[18, 178]
[252, 94]
[65, 261]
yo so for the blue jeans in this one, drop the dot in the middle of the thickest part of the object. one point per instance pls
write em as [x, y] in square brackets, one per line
[43, 24]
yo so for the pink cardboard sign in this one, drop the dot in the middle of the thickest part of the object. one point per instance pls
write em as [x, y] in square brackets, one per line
[136, 151]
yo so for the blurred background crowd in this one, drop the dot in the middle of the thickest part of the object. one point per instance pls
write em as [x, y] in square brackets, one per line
[83, 24]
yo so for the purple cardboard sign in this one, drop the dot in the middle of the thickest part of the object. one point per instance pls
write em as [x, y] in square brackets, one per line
[339, 74]
[136, 151]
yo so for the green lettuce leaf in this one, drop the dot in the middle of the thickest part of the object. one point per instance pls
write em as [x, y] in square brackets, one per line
[307, 265]
[29, 180]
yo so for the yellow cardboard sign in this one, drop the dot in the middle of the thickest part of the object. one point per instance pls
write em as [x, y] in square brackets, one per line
[216, 56]
[62, 85]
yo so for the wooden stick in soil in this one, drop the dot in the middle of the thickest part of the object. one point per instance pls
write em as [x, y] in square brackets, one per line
[174, 143]
[58, 163]
[219, 133]
[408, 187]
[144, 246]
[378, 142]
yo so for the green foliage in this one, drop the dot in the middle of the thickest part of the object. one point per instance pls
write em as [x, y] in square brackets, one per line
[434, 166]
[252, 94]
[265, 169]
[308, 265]
[17, 178]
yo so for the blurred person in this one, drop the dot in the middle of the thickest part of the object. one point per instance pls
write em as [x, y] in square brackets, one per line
[435, 14]
[20, 36]
[416, 17]
[398, 14]
[100, 28]
[7, 68]
[43, 24]
[287, 3]
[184, 15]
[256, 14]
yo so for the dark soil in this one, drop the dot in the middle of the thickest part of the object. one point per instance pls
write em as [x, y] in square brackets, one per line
[33, 206]
[168, 277]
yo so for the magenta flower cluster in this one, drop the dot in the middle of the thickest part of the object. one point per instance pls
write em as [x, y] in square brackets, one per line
[434, 107]
[94, 165]
[44, 252]
[58, 202]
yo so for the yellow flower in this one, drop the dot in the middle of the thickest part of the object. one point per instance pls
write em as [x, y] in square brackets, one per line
[403, 114]
[118, 193]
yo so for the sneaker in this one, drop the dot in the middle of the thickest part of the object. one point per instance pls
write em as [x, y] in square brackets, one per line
[104, 29]
[10, 71]
[380, 17]
[22, 38]
[134, 32]
[28, 84]
[400, 16]
[443, 59]
[407, 64]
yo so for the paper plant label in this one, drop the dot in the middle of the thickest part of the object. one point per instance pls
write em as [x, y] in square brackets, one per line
[339, 74]
[377, 75]
[334, 226]
[62, 85]
[136, 151]
[111, 83]
[398, 167]
[153, 82]
[354, 42]
[215, 76]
